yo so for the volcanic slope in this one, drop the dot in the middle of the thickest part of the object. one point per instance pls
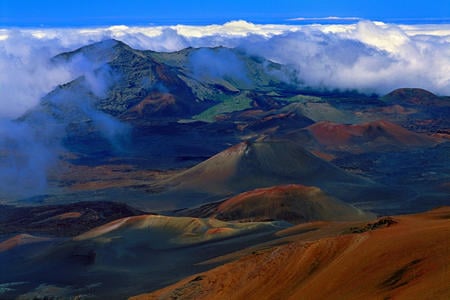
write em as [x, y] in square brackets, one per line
[375, 264]
[164, 232]
[372, 136]
[429, 113]
[293, 203]
[137, 84]
[20, 240]
[413, 96]
[251, 165]
[260, 163]
[154, 248]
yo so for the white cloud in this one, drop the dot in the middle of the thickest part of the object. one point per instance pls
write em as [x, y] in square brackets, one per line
[232, 29]
[372, 56]
[442, 30]
[26, 72]
[389, 38]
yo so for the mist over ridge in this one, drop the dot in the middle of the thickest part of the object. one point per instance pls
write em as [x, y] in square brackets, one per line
[368, 56]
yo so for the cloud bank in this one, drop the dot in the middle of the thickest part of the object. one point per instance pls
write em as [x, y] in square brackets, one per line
[369, 56]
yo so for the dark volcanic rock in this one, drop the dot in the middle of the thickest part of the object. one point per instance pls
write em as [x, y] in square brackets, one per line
[61, 220]
[381, 223]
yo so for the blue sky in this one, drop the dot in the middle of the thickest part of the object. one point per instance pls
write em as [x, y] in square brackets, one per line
[50, 13]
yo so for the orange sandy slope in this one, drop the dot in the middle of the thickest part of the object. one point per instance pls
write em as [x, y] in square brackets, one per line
[379, 132]
[19, 240]
[407, 260]
[293, 203]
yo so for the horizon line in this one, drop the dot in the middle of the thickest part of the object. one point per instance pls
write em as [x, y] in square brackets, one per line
[156, 23]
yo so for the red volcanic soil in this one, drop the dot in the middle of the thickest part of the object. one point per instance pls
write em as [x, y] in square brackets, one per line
[154, 103]
[19, 240]
[292, 203]
[408, 259]
[372, 134]
[323, 155]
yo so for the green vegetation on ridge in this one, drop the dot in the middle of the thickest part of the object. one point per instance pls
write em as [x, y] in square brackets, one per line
[226, 104]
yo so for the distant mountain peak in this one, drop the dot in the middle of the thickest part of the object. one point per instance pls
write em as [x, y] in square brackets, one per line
[376, 135]
[407, 92]
[100, 52]
[411, 95]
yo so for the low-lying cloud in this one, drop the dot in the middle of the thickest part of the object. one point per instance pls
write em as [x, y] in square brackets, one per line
[218, 63]
[28, 150]
[26, 154]
[369, 56]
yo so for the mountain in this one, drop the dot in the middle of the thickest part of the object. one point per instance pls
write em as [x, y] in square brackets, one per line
[371, 136]
[429, 112]
[123, 82]
[140, 84]
[256, 164]
[368, 265]
[292, 203]
[265, 163]
[411, 96]
[259, 163]
[126, 101]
